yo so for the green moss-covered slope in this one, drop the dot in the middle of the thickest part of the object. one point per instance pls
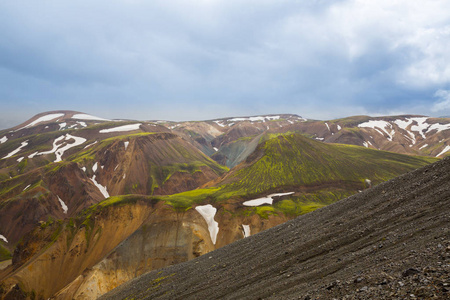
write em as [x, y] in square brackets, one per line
[318, 173]
[294, 160]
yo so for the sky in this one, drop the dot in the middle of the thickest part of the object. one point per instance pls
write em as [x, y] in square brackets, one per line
[205, 59]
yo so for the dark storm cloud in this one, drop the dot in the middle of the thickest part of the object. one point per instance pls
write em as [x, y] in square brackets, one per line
[209, 58]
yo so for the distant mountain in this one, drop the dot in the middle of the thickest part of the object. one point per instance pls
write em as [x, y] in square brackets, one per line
[385, 243]
[111, 199]
[229, 141]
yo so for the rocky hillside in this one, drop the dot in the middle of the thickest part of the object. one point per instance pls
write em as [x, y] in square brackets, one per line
[170, 229]
[58, 163]
[229, 141]
[388, 242]
[78, 192]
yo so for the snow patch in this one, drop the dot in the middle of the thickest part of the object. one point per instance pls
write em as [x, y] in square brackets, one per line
[220, 124]
[88, 117]
[438, 127]
[100, 187]
[20, 159]
[116, 167]
[26, 187]
[3, 139]
[255, 119]
[215, 149]
[126, 144]
[84, 169]
[33, 154]
[424, 146]
[124, 175]
[421, 126]
[62, 125]
[94, 167]
[17, 150]
[447, 148]
[339, 127]
[62, 147]
[319, 138]
[42, 119]
[246, 230]
[63, 205]
[208, 212]
[90, 145]
[404, 125]
[83, 124]
[382, 125]
[2, 237]
[60, 152]
[265, 200]
[328, 126]
[129, 127]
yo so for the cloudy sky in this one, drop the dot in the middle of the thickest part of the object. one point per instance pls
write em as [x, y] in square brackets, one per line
[204, 59]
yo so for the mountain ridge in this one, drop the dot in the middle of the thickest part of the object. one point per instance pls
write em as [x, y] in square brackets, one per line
[69, 178]
[315, 256]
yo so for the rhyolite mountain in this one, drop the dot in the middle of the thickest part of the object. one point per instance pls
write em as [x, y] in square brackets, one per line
[388, 242]
[230, 140]
[107, 200]
[64, 165]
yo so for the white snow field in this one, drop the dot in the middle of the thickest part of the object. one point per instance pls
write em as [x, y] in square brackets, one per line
[63, 205]
[265, 200]
[62, 147]
[255, 119]
[447, 148]
[45, 118]
[382, 125]
[60, 151]
[62, 125]
[100, 187]
[2, 237]
[23, 144]
[88, 117]
[246, 230]
[129, 127]
[208, 212]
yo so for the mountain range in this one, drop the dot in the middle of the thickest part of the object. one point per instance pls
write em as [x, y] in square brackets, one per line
[87, 204]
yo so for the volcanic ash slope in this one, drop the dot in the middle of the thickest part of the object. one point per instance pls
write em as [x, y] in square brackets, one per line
[389, 242]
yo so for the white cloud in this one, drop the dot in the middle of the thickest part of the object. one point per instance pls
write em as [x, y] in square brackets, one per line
[443, 104]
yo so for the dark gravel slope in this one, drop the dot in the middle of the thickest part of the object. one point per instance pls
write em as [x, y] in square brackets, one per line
[389, 242]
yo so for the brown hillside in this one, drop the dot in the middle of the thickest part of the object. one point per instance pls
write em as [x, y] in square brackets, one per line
[389, 242]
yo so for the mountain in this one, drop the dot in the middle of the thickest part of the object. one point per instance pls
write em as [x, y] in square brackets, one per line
[387, 242]
[122, 237]
[108, 200]
[229, 141]
[58, 163]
